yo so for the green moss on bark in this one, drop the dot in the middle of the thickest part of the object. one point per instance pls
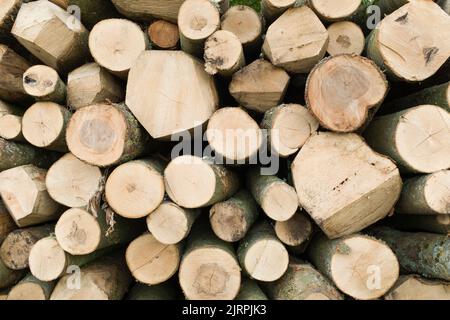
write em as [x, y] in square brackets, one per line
[255, 4]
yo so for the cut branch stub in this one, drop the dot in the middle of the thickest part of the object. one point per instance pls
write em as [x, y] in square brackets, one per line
[345, 91]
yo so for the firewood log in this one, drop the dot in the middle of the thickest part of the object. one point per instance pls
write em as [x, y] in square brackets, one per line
[12, 68]
[414, 287]
[147, 9]
[31, 288]
[163, 34]
[346, 37]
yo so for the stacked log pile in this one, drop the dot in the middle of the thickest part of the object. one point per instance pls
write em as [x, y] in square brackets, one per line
[215, 149]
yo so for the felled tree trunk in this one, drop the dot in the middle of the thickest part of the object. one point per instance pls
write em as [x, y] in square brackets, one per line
[250, 291]
[414, 287]
[429, 223]
[295, 232]
[31, 288]
[147, 9]
[12, 68]
[163, 34]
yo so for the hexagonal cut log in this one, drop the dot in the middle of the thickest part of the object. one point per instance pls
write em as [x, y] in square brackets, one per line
[90, 84]
[343, 184]
[32, 207]
[296, 41]
[406, 43]
[52, 35]
[259, 86]
[169, 92]
[12, 68]
[146, 9]
[345, 91]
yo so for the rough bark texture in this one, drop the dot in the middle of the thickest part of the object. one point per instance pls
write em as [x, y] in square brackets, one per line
[163, 291]
[12, 68]
[250, 290]
[429, 223]
[9, 277]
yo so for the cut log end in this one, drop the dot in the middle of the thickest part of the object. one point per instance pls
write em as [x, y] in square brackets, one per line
[27, 291]
[134, 189]
[414, 287]
[78, 232]
[437, 192]
[11, 127]
[280, 201]
[333, 11]
[210, 274]
[44, 83]
[345, 38]
[228, 221]
[223, 53]
[342, 90]
[163, 34]
[295, 231]
[150, 261]
[47, 259]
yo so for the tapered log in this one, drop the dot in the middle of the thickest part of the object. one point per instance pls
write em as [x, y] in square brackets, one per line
[9, 277]
[163, 291]
[7, 223]
[44, 125]
[272, 9]
[429, 223]
[79, 232]
[105, 134]
[418, 139]
[136, 188]
[414, 287]
[157, 95]
[335, 11]
[197, 20]
[12, 68]
[296, 41]
[15, 249]
[31, 288]
[91, 84]
[246, 24]
[41, 24]
[231, 219]
[115, 45]
[259, 86]
[48, 261]
[423, 253]
[277, 199]
[288, 127]
[360, 266]
[261, 255]
[437, 95]
[193, 182]
[11, 128]
[234, 136]
[105, 279]
[170, 223]
[163, 34]
[73, 183]
[250, 291]
[209, 269]
[17, 154]
[345, 38]
[343, 184]
[44, 84]
[345, 106]
[32, 207]
[224, 54]
[152, 262]
[428, 194]
[295, 232]
[406, 45]
[146, 9]
[302, 282]
[91, 12]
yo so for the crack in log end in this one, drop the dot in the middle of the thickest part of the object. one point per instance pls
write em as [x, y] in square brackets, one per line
[402, 19]
[429, 54]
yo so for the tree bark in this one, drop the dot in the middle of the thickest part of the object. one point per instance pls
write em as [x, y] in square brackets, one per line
[295, 232]
[147, 9]
[427, 223]
[12, 68]
[163, 291]
[250, 290]
[272, 9]
[9, 277]
[7, 223]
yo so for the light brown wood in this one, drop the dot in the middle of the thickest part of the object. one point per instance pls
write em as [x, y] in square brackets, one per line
[272, 9]
[234, 136]
[11, 127]
[259, 86]
[115, 44]
[197, 20]
[246, 24]
[41, 24]
[345, 91]
[296, 41]
[91, 84]
[44, 125]
[24, 193]
[346, 37]
[413, 42]
[8, 13]
[170, 223]
[31, 288]
[74, 183]
[224, 54]
[136, 188]
[288, 127]
[163, 34]
[152, 262]
[193, 182]
[414, 287]
[146, 9]
[295, 232]
[157, 93]
[12, 67]
[44, 84]
[104, 134]
[343, 184]
[330, 10]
